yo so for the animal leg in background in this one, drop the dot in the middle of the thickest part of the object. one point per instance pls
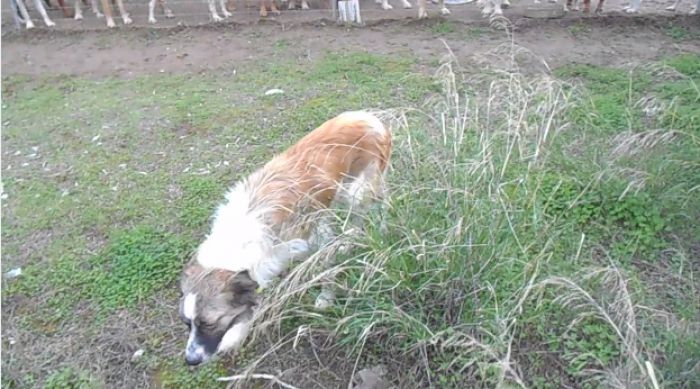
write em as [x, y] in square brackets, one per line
[151, 10]
[423, 13]
[40, 6]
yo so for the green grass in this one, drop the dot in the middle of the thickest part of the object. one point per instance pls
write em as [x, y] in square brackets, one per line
[546, 223]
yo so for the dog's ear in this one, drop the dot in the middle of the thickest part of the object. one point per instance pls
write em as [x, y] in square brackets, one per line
[191, 271]
[243, 287]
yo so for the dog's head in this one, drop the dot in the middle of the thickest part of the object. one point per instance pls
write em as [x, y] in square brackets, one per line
[217, 306]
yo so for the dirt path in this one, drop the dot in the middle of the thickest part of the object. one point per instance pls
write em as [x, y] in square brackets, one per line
[131, 52]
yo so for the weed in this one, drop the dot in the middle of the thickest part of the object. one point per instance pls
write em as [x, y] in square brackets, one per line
[69, 378]
[442, 28]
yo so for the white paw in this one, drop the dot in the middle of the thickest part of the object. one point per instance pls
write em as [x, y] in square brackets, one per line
[216, 18]
[407, 5]
[422, 13]
[127, 19]
[30, 24]
[226, 14]
[169, 14]
[78, 17]
[291, 5]
[378, 1]
[98, 15]
[324, 300]
[304, 5]
[693, 11]
[387, 6]
[498, 12]
[537, 1]
[630, 10]
[297, 247]
[110, 23]
[445, 11]
[152, 20]
[671, 8]
[50, 23]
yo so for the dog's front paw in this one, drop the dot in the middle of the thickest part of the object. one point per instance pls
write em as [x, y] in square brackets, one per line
[127, 19]
[445, 11]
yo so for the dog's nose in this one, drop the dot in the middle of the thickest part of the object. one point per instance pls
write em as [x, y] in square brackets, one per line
[193, 359]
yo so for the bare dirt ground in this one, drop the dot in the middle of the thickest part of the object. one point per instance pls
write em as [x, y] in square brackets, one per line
[189, 44]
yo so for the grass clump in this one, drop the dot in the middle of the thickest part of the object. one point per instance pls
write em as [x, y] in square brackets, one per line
[509, 260]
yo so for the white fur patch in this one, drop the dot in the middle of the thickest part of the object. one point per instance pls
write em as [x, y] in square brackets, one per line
[189, 306]
[372, 121]
[237, 236]
[234, 336]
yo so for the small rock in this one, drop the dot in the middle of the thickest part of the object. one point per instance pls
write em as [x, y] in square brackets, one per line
[137, 355]
[271, 92]
[372, 378]
[14, 273]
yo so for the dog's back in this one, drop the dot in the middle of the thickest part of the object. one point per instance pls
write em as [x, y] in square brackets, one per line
[348, 153]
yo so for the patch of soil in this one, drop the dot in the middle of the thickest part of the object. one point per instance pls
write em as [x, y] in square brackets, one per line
[132, 52]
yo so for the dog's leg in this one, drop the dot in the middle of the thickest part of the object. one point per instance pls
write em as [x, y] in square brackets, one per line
[443, 9]
[166, 11]
[696, 8]
[304, 4]
[673, 6]
[42, 11]
[599, 8]
[273, 8]
[586, 6]
[291, 4]
[263, 9]
[62, 6]
[151, 11]
[212, 11]
[123, 13]
[107, 9]
[24, 14]
[78, 11]
[386, 5]
[16, 17]
[633, 6]
[488, 9]
[224, 11]
[96, 9]
[422, 11]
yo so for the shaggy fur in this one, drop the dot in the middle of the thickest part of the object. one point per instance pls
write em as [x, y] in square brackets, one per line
[268, 220]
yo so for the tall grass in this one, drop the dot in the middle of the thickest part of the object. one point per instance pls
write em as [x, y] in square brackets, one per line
[455, 292]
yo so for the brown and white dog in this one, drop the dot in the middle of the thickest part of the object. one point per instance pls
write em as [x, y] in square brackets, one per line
[272, 217]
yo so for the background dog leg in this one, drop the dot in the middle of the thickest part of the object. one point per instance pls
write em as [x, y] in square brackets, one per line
[166, 11]
[25, 15]
[78, 11]
[96, 9]
[15, 14]
[107, 9]
[123, 13]
[42, 11]
[212, 10]
[224, 11]
[151, 11]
